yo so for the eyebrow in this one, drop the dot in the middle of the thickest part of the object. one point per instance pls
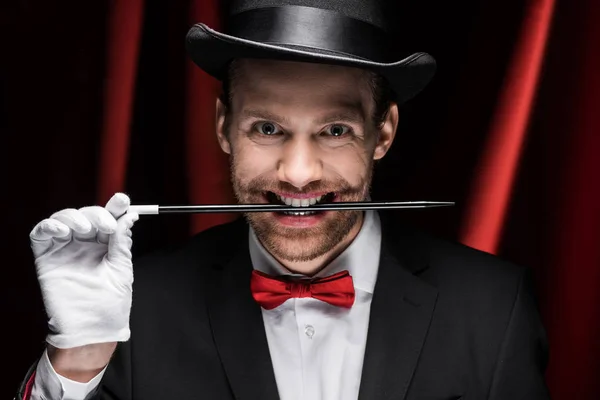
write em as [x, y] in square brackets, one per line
[346, 116]
[351, 115]
[264, 114]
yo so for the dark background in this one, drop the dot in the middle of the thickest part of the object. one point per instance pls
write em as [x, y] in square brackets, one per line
[53, 79]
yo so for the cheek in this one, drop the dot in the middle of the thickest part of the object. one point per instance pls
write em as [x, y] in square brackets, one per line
[350, 162]
[251, 160]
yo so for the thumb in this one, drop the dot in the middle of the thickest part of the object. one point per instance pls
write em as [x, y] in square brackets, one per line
[118, 204]
[120, 242]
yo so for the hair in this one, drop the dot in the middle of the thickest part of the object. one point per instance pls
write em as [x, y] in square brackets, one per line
[381, 91]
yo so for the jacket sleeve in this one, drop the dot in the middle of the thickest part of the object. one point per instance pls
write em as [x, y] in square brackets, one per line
[24, 389]
[523, 356]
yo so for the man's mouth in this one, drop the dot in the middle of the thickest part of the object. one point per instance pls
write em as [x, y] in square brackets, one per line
[304, 201]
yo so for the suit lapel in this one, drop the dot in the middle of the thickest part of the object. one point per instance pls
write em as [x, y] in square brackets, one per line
[238, 328]
[401, 312]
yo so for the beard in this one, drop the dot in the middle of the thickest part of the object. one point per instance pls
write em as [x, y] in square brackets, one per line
[307, 243]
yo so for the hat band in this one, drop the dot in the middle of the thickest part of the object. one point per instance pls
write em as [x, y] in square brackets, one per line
[311, 27]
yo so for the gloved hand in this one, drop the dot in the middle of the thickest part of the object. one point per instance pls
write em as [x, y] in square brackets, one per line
[85, 272]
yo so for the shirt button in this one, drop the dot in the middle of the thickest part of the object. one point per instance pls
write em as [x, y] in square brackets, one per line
[309, 330]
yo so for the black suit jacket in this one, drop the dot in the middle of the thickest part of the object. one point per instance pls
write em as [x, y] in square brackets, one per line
[447, 322]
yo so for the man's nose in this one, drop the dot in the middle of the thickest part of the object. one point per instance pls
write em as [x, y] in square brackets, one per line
[300, 163]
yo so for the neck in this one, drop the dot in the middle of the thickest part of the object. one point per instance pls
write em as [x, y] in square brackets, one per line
[312, 267]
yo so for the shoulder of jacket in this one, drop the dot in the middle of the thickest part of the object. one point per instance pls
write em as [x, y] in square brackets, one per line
[215, 243]
[447, 260]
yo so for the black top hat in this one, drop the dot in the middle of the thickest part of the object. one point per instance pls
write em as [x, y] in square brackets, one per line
[342, 32]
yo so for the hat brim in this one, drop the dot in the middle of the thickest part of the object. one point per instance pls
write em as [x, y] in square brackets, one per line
[212, 51]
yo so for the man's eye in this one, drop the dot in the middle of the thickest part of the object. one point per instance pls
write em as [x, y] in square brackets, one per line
[337, 130]
[267, 128]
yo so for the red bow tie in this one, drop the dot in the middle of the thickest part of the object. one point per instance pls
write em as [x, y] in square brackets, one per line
[271, 292]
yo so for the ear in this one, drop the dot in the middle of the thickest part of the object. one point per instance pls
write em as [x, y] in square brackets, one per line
[387, 132]
[221, 112]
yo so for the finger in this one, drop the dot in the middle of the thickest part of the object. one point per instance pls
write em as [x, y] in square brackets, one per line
[119, 243]
[103, 237]
[74, 219]
[118, 204]
[100, 218]
[42, 234]
[48, 229]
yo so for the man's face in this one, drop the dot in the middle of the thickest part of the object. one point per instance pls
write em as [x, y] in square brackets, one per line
[301, 133]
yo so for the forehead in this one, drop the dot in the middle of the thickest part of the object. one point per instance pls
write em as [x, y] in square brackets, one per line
[299, 84]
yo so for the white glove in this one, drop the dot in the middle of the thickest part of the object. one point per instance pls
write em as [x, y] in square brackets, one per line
[85, 272]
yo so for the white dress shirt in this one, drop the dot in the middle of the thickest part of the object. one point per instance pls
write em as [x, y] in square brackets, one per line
[48, 385]
[317, 349]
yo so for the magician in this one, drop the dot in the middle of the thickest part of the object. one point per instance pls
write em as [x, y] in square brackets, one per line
[298, 305]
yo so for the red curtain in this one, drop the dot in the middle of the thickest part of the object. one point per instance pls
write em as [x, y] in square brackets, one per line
[124, 31]
[492, 185]
[571, 280]
[207, 164]
[572, 306]
[515, 142]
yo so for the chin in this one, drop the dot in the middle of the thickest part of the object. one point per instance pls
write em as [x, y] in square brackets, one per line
[297, 249]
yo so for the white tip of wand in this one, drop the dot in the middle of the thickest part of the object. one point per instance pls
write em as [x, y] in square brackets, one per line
[144, 210]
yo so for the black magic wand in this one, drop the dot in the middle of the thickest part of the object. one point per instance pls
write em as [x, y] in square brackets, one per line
[227, 208]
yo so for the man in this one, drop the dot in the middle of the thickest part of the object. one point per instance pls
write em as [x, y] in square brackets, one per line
[301, 305]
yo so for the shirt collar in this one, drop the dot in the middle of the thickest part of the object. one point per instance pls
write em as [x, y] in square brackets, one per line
[360, 258]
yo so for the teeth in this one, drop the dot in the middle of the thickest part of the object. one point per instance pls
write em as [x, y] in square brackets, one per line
[299, 213]
[294, 202]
